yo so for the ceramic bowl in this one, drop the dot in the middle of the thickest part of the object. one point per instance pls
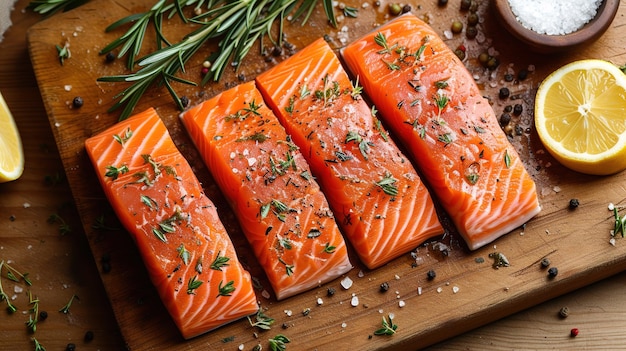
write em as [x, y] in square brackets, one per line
[544, 43]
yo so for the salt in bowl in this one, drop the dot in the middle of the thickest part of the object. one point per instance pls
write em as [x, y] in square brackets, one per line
[544, 43]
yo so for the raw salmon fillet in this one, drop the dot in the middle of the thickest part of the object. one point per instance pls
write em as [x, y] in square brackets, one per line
[262, 173]
[379, 200]
[187, 252]
[432, 104]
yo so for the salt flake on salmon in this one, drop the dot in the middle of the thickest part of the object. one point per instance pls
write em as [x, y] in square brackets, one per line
[377, 196]
[431, 103]
[188, 255]
[281, 209]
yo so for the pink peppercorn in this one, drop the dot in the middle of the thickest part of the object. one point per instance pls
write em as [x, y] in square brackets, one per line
[204, 70]
[574, 332]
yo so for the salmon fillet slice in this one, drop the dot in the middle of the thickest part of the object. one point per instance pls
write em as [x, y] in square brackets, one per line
[378, 199]
[158, 199]
[431, 103]
[281, 209]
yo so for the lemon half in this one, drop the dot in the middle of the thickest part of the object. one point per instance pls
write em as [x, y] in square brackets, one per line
[580, 116]
[11, 153]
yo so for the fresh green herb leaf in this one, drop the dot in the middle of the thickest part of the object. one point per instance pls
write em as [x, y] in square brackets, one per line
[150, 202]
[122, 139]
[183, 253]
[66, 309]
[328, 248]
[388, 185]
[114, 172]
[262, 321]
[445, 138]
[219, 262]
[63, 53]
[38, 345]
[64, 228]
[350, 11]
[507, 159]
[278, 343]
[193, 284]
[388, 327]
[227, 289]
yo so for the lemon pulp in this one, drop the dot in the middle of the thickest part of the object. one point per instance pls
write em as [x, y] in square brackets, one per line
[11, 153]
[580, 116]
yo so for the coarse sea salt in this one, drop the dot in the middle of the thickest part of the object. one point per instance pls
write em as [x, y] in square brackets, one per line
[554, 17]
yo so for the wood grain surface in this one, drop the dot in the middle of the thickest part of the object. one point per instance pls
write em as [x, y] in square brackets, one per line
[575, 241]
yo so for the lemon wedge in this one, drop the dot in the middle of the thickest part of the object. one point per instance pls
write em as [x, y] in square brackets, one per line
[580, 116]
[11, 153]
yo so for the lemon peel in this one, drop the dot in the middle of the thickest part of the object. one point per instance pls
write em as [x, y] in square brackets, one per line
[11, 152]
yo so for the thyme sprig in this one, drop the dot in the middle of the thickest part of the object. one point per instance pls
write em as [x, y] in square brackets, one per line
[238, 24]
[3, 295]
[388, 185]
[261, 320]
[278, 343]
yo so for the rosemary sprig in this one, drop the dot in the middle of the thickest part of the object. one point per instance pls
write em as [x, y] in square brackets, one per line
[50, 7]
[237, 23]
[66, 309]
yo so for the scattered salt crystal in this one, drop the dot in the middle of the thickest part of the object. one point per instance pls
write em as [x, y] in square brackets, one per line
[26, 205]
[67, 87]
[265, 294]
[447, 34]
[612, 241]
[344, 324]
[455, 289]
[251, 161]
[18, 289]
[320, 301]
[439, 289]
[233, 155]
[360, 274]
[240, 347]
[419, 290]
[401, 303]
[554, 17]
[346, 283]
[288, 313]
[396, 277]
[235, 170]
[611, 206]
[557, 189]
[354, 301]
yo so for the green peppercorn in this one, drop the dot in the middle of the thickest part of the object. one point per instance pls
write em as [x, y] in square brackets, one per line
[472, 19]
[395, 9]
[460, 54]
[483, 58]
[471, 32]
[493, 63]
[457, 27]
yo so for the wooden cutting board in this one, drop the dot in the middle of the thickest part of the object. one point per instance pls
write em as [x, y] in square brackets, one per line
[467, 292]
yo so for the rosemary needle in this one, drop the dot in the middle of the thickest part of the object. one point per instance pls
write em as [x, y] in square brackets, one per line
[237, 24]
[50, 7]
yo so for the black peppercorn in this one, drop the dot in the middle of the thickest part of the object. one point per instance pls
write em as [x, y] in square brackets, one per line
[43, 315]
[505, 119]
[442, 3]
[465, 4]
[553, 272]
[110, 57]
[330, 291]
[431, 274]
[406, 8]
[564, 312]
[284, 326]
[573, 203]
[77, 102]
[518, 109]
[545, 263]
[384, 287]
[504, 93]
[106, 267]
[522, 74]
[184, 101]
[508, 77]
[70, 347]
[88, 336]
[508, 108]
